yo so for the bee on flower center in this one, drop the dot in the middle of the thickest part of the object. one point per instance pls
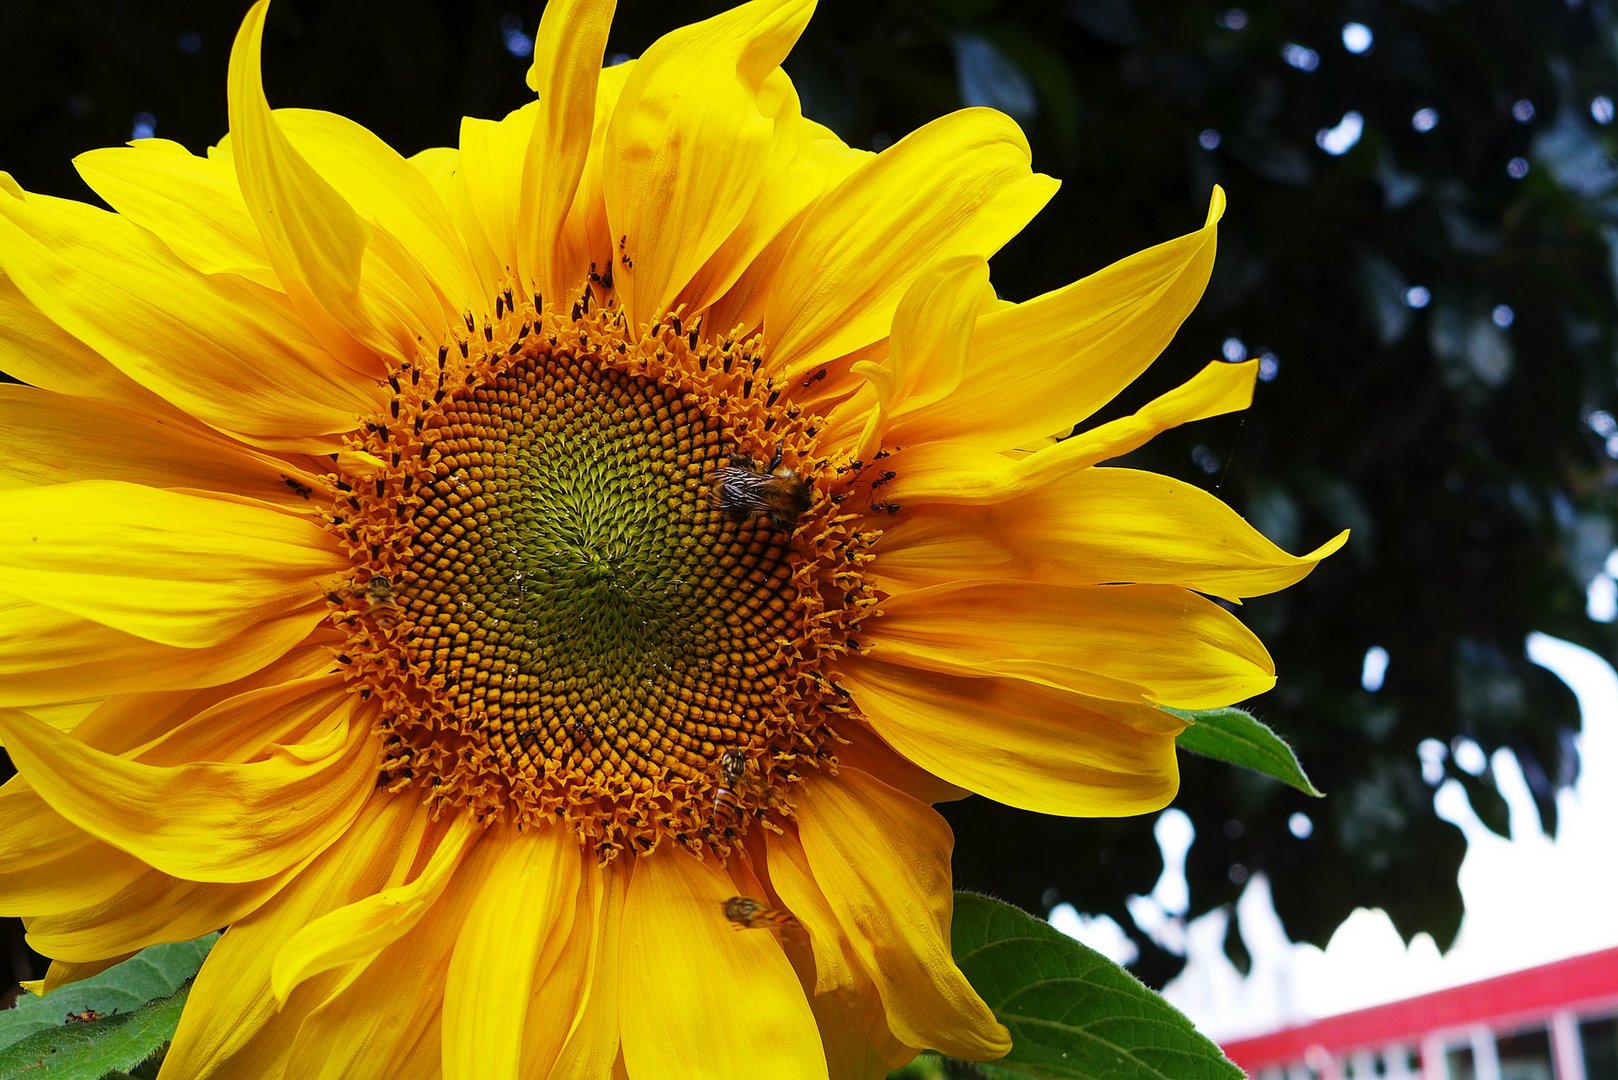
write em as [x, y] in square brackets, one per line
[732, 772]
[749, 914]
[744, 490]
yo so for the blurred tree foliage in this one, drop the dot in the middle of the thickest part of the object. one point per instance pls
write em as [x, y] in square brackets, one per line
[1422, 244]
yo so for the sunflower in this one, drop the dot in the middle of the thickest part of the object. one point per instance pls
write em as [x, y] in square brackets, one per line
[532, 593]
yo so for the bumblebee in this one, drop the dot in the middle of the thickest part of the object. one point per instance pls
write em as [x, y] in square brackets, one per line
[749, 914]
[743, 490]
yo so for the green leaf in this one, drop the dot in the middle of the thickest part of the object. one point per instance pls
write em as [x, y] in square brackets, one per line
[1238, 737]
[90, 1051]
[37, 1039]
[1073, 1014]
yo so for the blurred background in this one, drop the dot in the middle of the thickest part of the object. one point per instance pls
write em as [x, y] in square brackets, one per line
[1421, 247]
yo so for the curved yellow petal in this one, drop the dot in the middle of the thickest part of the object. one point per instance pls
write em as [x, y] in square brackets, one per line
[52, 866]
[204, 821]
[177, 569]
[191, 202]
[150, 909]
[232, 1025]
[591, 1048]
[688, 142]
[835, 966]
[36, 351]
[855, 1035]
[961, 185]
[235, 724]
[394, 198]
[961, 472]
[882, 860]
[516, 932]
[223, 349]
[490, 169]
[366, 1029]
[357, 932]
[585, 233]
[1021, 743]
[62, 973]
[1217, 389]
[1047, 364]
[927, 350]
[566, 70]
[1090, 527]
[792, 175]
[1154, 643]
[48, 655]
[53, 439]
[316, 242]
[822, 162]
[682, 972]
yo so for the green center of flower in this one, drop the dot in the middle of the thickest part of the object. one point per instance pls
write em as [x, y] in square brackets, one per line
[600, 577]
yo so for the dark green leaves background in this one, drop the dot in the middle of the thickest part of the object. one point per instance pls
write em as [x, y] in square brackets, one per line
[1468, 458]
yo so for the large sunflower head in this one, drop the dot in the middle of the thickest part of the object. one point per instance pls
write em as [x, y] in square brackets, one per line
[532, 592]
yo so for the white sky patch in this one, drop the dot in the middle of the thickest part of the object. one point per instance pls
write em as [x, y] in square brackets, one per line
[1099, 932]
[1530, 899]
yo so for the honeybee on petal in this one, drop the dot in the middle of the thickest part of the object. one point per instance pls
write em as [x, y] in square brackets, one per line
[745, 913]
[743, 490]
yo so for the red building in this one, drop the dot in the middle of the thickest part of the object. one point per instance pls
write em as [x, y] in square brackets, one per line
[1554, 1022]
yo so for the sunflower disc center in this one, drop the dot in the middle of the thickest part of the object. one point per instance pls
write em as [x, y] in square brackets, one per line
[557, 612]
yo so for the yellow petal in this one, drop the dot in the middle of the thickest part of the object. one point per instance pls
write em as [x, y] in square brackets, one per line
[961, 185]
[51, 655]
[855, 1034]
[683, 971]
[882, 861]
[515, 933]
[223, 349]
[821, 163]
[491, 162]
[928, 348]
[791, 176]
[356, 933]
[51, 864]
[441, 167]
[203, 822]
[233, 1026]
[385, 190]
[61, 974]
[566, 69]
[1088, 527]
[1021, 743]
[591, 1050]
[190, 202]
[315, 240]
[1047, 364]
[1216, 390]
[688, 143]
[283, 703]
[584, 238]
[835, 966]
[54, 439]
[866, 751]
[367, 1029]
[177, 569]
[1153, 643]
[961, 472]
[150, 909]
[35, 350]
